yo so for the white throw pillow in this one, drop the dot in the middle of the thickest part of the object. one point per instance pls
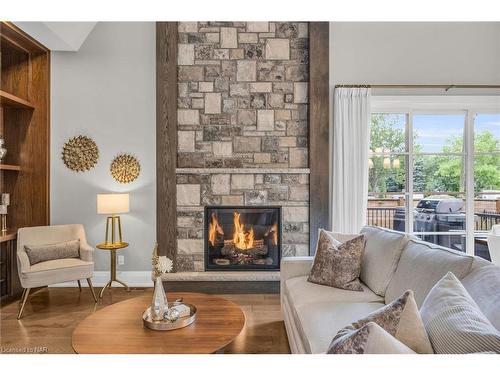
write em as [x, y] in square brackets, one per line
[454, 322]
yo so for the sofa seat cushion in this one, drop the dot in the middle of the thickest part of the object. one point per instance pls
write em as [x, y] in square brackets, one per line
[383, 250]
[301, 292]
[311, 304]
[57, 271]
[320, 322]
[421, 266]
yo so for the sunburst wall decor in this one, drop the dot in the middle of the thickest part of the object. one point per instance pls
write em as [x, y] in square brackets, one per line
[80, 153]
[125, 168]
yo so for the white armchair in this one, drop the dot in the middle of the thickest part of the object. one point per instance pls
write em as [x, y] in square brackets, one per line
[493, 240]
[53, 271]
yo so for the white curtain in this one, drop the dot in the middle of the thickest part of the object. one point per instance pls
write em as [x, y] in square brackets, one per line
[350, 149]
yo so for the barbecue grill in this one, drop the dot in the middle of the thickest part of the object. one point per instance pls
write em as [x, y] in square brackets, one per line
[435, 214]
[440, 214]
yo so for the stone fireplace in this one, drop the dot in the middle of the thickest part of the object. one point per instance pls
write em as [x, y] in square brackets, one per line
[242, 238]
[242, 135]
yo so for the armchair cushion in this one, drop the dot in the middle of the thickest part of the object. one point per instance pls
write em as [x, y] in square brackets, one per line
[56, 271]
[60, 250]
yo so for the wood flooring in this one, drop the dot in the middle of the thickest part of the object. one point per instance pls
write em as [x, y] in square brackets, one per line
[51, 314]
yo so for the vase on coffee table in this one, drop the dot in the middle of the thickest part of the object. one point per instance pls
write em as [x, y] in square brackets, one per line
[159, 305]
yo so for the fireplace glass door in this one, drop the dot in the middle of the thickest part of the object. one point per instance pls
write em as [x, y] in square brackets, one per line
[242, 238]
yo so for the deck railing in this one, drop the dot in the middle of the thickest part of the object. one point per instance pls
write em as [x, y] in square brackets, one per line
[485, 220]
[384, 217]
[381, 216]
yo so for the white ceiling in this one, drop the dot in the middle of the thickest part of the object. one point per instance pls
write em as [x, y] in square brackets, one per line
[58, 36]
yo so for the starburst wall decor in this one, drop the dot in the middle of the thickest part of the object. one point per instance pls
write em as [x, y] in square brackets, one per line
[125, 168]
[80, 153]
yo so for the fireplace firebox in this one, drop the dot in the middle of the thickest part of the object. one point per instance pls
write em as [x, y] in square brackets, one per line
[242, 238]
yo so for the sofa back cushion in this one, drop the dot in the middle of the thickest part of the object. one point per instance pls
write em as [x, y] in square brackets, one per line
[383, 249]
[422, 265]
[483, 285]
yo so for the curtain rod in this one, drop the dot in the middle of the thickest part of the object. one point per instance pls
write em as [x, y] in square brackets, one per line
[445, 87]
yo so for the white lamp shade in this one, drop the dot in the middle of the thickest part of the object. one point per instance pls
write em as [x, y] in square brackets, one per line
[109, 204]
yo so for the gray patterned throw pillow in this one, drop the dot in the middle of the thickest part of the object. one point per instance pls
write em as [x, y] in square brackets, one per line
[338, 264]
[60, 250]
[400, 319]
[372, 339]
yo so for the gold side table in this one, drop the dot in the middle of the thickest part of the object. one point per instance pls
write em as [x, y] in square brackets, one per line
[112, 247]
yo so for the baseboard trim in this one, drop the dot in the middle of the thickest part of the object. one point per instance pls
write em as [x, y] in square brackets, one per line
[139, 279]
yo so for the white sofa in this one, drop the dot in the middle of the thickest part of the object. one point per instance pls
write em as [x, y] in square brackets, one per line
[393, 263]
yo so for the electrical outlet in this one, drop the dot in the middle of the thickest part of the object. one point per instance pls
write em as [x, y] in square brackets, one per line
[121, 260]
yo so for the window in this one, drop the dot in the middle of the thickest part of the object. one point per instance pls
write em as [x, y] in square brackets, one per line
[434, 168]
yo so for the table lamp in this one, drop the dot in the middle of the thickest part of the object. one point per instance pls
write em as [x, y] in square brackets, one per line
[112, 205]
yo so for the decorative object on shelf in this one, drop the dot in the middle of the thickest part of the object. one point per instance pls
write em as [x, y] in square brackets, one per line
[3, 150]
[5, 202]
[113, 204]
[80, 153]
[125, 168]
[159, 305]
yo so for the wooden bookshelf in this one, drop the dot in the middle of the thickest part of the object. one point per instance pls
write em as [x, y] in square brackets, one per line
[24, 126]
[10, 100]
[9, 167]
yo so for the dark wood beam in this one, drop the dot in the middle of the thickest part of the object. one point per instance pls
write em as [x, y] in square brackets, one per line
[166, 138]
[319, 130]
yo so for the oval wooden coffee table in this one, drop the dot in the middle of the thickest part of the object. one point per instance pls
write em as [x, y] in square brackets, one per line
[118, 329]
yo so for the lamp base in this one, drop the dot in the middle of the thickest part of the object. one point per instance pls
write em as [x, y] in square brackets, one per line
[113, 242]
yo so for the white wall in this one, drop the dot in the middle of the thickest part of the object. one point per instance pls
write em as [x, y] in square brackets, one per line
[414, 53]
[106, 90]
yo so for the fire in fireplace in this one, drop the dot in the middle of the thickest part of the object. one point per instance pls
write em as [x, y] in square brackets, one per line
[242, 238]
